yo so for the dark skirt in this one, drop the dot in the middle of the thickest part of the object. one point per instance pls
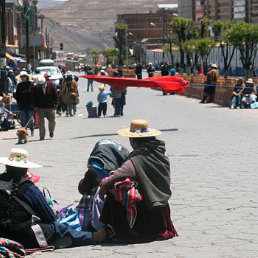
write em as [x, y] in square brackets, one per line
[150, 225]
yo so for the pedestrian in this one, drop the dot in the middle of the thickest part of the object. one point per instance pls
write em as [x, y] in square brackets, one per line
[150, 167]
[13, 83]
[69, 93]
[45, 101]
[123, 100]
[199, 70]
[24, 98]
[138, 71]
[116, 96]
[102, 100]
[172, 70]
[96, 69]
[210, 88]
[164, 70]
[90, 82]
[150, 70]
[25, 215]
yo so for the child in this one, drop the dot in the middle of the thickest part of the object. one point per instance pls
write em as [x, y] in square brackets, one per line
[102, 99]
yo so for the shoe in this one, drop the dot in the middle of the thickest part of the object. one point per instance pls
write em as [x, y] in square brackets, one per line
[64, 242]
[202, 102]
[71, 114]
[51, 135]
[41, 138]
[232, 107]
[32, 133]
[238, 107]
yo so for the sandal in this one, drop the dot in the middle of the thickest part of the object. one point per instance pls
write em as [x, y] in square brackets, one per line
[110, 232]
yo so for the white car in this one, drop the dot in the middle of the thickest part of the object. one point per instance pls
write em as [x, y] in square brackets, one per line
[56, 75]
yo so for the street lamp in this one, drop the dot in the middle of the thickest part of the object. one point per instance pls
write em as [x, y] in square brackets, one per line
[35, 2]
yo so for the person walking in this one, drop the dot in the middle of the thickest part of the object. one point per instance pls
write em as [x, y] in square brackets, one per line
[45, 101]
[69, 92]
[90, 82]
[138, 71]
[24, 98]
[210, 88]
[150, 70]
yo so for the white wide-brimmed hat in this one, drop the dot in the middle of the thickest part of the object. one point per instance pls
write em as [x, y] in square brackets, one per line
[139, 128]
[18, 158]
[214, 66]
[250, 80]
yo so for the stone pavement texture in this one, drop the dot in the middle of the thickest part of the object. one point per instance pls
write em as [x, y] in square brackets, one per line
[213, 154]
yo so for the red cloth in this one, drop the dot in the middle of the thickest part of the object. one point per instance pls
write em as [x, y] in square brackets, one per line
[168, 84]
[150, 225]
[126, 193]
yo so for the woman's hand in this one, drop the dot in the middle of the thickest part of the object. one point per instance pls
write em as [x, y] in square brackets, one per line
[102, 190]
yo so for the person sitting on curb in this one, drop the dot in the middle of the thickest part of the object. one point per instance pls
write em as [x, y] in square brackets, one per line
[236, 101]
[25, 215]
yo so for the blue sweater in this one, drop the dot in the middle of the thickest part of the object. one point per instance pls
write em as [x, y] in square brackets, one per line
[102, 96]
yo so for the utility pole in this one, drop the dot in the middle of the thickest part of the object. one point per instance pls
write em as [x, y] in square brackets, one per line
[163, 34]
[26, 15]
[2, 45]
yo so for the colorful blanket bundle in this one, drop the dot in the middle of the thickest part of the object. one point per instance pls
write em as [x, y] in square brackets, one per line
[126, 193]
[10, 248]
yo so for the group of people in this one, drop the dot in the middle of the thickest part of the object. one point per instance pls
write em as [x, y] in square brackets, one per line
[125, 197]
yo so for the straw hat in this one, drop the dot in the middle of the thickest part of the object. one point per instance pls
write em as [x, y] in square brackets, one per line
[139, 128]
[18, 158]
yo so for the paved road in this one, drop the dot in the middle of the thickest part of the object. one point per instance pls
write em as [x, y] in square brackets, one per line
[213, 166]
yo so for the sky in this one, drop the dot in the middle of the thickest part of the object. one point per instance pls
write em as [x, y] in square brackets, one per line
[49, 3]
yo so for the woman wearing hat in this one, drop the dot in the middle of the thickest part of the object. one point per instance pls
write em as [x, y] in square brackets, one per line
[24, 98]
[25, 215]
[69, 92]
[148, 165]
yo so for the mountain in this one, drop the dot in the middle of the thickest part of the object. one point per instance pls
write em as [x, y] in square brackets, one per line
[82, 24]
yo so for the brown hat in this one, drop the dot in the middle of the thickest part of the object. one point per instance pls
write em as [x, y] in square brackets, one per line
[139, 128]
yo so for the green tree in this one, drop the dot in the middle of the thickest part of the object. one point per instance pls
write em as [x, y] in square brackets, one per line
[120, 41]
[184, 30]
[204, 27]
[170, 37]
[95, 55]
[244, 37]
[220, 31]
[111, 54]
[189, 47]
[204, 47]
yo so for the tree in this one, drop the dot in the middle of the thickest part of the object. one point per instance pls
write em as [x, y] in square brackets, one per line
[95, 55]
[189, 47]
[220, 30]
[184, 29]
[111, 54]
[120, 41]
[244, 37]
[204, 47]
[169, 48]
[204, 27]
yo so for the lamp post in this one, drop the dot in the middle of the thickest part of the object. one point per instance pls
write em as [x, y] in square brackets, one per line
[2, 45]
[35, 2]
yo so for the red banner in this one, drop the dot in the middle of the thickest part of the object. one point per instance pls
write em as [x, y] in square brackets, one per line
[10, 28]
[168, 84]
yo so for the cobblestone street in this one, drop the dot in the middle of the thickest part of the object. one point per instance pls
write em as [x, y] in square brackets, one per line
[214, 166]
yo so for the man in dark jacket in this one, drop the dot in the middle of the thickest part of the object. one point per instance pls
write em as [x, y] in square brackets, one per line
[45, 100]
[138, 71]
[23, 96]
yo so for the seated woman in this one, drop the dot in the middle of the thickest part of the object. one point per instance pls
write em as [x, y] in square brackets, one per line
[25, 215]
[107, 155]
[149, 166]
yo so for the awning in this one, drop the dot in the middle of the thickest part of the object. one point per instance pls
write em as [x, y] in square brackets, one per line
[157, 50]
[9, 56]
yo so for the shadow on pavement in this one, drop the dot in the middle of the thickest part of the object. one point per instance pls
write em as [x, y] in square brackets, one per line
[114, 134]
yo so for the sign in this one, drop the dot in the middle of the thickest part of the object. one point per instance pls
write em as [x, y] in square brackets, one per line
[10, 28]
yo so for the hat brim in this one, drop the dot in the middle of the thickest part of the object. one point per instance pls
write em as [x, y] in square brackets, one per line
[29, 164]
[127, 133]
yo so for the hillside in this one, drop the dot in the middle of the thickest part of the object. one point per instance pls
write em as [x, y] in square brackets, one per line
[81, 24]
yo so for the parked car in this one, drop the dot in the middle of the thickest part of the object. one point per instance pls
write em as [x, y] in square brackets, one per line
[56, 75]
